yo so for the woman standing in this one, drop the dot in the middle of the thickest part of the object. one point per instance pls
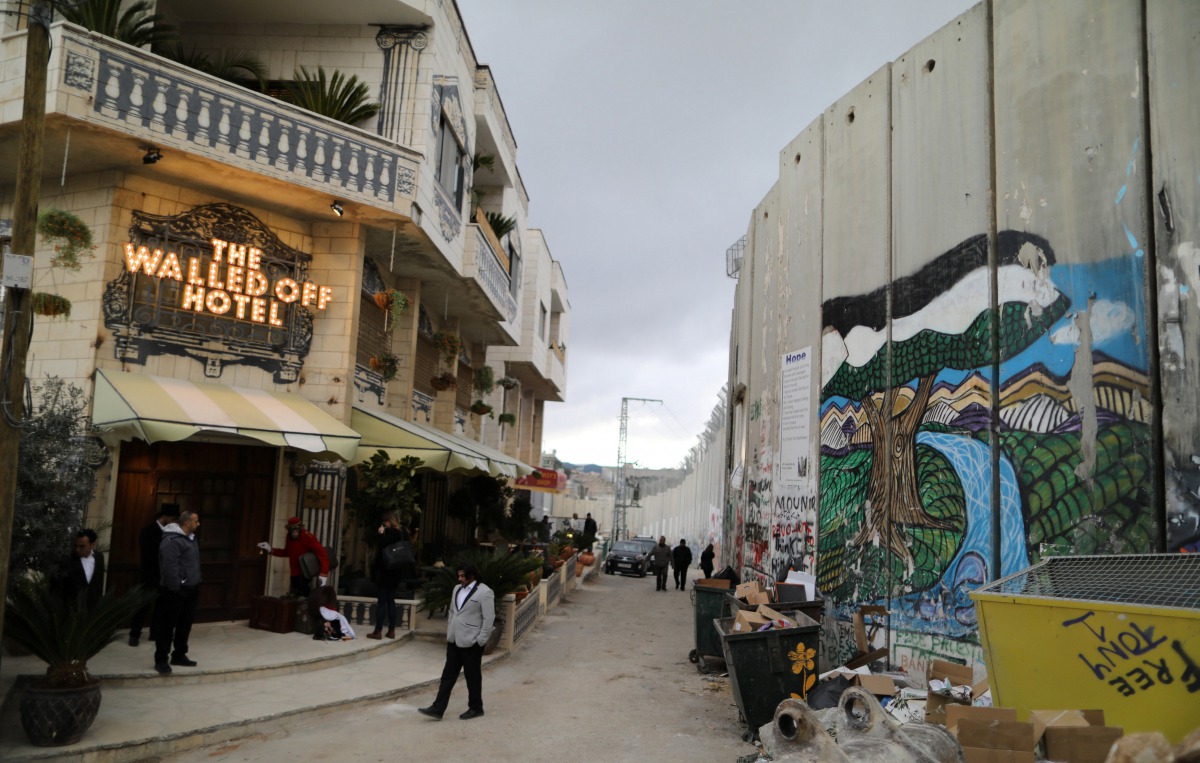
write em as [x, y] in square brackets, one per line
[389, 532]
[706, 561]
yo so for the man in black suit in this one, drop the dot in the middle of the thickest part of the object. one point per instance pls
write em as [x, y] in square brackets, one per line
[81, 575]
[148, 571]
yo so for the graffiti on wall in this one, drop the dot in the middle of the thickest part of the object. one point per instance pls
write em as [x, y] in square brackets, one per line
[793, 532]
[906, 512]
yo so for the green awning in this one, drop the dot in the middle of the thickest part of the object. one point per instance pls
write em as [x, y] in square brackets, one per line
[437, 450]
[165, 409]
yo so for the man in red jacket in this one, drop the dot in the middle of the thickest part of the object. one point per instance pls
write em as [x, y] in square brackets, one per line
[299, 542]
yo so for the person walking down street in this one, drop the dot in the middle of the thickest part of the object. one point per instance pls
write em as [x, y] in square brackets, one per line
[706, 561]
[589, 529]
[681, 559]
[81, 573]
[471, 618]
[299, 542]
[660, 560]
[386, 579]
[179, 563]
[148, 571]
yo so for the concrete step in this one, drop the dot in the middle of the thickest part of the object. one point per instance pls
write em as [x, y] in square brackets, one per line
[248, 682]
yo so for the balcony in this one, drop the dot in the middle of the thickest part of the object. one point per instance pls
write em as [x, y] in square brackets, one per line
[484, 261]
[126, 91]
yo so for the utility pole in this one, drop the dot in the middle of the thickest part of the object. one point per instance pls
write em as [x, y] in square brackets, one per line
[620, 506]
[18, 318]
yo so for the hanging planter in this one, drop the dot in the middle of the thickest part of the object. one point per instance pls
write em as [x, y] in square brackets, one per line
[70, 237]
[507, 382]
[449, 345]
[51, 305]
[481, 408]
[392, 301]
[444, 381]
[387, 364]
[483, 381]
[507, 418]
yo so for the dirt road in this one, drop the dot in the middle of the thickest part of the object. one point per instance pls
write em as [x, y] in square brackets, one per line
[605, 677]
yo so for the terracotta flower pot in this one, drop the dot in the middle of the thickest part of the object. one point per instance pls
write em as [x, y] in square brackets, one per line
[382, 300]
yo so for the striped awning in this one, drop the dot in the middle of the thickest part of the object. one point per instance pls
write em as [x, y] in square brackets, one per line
[165, 409]
[438, 450]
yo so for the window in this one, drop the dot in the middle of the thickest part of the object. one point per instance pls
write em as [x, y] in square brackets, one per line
[450, 162]
[514, 270]
[542, 321]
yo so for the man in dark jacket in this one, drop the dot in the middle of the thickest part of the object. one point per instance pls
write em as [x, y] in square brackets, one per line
[681, 559]
[660, 560]
[81, 575]
[148, 572]
[179, 563]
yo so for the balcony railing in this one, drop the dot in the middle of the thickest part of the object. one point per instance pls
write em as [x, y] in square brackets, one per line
[138, 93]
[491, 275]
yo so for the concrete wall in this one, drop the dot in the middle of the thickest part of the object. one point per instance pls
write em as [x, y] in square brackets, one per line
[987, 244]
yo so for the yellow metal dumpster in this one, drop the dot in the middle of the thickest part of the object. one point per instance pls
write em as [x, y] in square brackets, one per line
[1119, 633]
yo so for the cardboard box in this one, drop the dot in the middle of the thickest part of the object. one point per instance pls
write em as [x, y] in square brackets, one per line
[1080, 744]
[758, 597]
[771, 614]
[714, 583]
[958, 675]
[983, 755]
[955, 713]
[996, 734]
[745, 589]
[748, 621]
[880, 686]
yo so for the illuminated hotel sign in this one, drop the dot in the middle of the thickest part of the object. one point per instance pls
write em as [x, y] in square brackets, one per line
[217, 285]
[232, 283]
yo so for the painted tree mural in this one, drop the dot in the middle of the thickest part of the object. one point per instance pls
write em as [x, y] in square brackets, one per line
[938, 323]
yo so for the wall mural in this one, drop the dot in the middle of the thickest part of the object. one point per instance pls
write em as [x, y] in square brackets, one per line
[905, 508]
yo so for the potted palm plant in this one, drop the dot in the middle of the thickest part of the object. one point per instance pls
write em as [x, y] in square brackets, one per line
[58, 708]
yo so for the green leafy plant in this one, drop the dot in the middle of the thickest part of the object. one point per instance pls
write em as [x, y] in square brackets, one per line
[50, 305]
[70, 236]
[137, 25]
[394, 301]
[63, 635]
[444, 380]
[346, 99]
[484, 380]
[449, 345]
[480, 408]
[502, 225]
[55, 484]
[507, 418]
[387, 364]
[499, 570]
[384, 486]
[235, 66]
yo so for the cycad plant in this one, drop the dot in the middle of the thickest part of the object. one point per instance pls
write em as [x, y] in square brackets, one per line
[137, 25]
[64, 635]
[502, 225]
[499, 570]
[339, 97]
[235, 66]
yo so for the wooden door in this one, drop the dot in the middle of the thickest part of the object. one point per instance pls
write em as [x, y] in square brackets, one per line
[229, 485]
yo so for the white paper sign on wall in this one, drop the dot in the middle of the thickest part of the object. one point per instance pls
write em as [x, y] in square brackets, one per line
[18, 271]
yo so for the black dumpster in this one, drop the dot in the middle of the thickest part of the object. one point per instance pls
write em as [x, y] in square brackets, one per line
[814, 609]
[708, 604]
[767, 667]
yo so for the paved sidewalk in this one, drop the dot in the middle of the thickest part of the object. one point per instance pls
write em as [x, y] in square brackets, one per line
[245, 677]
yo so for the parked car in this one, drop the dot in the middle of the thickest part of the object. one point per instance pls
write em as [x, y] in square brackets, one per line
[626, 556]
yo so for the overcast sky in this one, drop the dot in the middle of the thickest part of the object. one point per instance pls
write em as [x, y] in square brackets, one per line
[647, 131]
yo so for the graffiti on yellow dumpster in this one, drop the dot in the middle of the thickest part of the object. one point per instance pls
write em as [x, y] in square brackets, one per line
[1128, 659]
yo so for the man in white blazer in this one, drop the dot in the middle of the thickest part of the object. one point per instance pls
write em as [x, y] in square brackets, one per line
[472, 616]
